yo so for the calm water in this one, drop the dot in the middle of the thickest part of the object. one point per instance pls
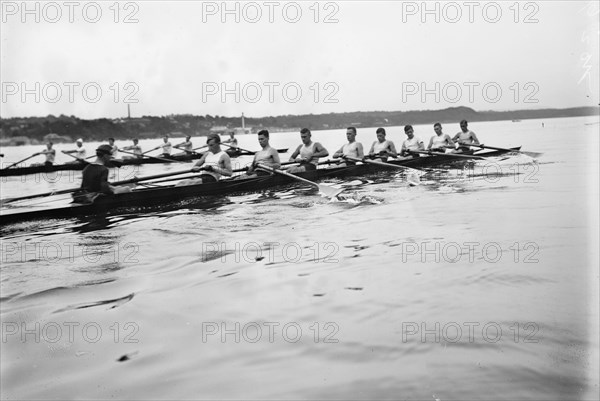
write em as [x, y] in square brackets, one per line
[482, 286]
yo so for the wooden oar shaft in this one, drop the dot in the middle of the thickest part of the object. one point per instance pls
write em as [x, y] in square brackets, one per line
[488, 147]
[378, 163]
[238, 148]
[150, 157]
[20, 161]
[430, 153]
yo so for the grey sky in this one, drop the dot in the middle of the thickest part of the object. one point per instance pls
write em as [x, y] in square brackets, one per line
[377, 56]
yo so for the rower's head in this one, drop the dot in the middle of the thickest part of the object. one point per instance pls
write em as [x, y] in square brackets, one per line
[380, 134]
[231, 134]
[214, 142]
[104, 152]
[166, 138]
[49, 145]
[305, 135]
[437, 127]
[135, 141]
[409, 131]
[79, 143]
[111, 141]
[464, 126]
[263, 138]
[351, 134]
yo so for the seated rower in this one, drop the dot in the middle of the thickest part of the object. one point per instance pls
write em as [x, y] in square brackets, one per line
[382, 148]
[440, 141]
[114, 148]
[267, 155]
[49, 153]
[136, 150]
[166, 147]
[411, 143]
[465, 137]
[307, 154]
[214, 164]
[79, 152]
[232, 140]
[186, 146]
[352, 148]
[94, 179]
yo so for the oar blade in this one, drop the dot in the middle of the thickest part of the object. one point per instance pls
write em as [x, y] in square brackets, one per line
[329, 191]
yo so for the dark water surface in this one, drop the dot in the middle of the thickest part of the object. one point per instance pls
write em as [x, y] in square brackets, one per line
[482, 286]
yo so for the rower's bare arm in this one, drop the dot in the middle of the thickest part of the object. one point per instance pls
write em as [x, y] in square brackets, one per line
[295, 154]
[359, 150]
[449, 140]
[320, 151]
[430, 143]
[392, 149]
[421, 145]
[475, 140]
[339, 153]
[225, 166]
[372, 150]
[200, 162]
[275, 157]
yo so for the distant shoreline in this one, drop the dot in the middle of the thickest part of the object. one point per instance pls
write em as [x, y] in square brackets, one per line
[34, 130]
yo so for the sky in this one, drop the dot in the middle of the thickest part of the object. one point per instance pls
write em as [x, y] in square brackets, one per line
[93, 59]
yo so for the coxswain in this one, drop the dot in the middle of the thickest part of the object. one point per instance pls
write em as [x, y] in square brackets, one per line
[382, 148]
[94, 178]
[267, 155]
[307, 154]
[78, 152]
[465, 137]
[411, 143]
[213, 164]
[440, 141]
[352, 148]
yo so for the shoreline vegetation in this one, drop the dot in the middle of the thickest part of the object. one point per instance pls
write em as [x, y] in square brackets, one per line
[66, 129]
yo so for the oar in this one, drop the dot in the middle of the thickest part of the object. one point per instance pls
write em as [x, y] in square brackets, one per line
[149, 157]
[531, 154]
[75, 157]
[326, 190]
[238, 148]
[20, 161]
[238, 170]
[379, 163]
[116, 183]
[430, 153]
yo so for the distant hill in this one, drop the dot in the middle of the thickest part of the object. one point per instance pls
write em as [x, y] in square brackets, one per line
[35, 128]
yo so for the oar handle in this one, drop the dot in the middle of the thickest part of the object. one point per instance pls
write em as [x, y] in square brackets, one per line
[274, 170]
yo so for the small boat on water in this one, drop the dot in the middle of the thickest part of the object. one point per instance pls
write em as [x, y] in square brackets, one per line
[166, 194]
[36, 169]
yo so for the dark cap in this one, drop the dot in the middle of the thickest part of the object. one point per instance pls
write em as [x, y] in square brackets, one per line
[213, 136]
[104, 149]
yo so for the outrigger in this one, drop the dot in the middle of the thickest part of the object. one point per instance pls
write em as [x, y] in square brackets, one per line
[165, 194]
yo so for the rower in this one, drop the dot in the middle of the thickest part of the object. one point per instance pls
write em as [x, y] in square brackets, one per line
[307, 154]
[135, 148]
[352, 148]
[465, 137]
[186, 146]
[79, 152]
[440, 141]
[166, 147]
[382, 148]
[94, 180]
[49, 153]
[213, 164]
[114, 148]
[267, 155]
[411, 143]
[232, 140]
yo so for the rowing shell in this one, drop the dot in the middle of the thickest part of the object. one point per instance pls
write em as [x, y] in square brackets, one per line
[7, 172]
[168, 194]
